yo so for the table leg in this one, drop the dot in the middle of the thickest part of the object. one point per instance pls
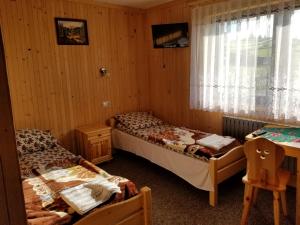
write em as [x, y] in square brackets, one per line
[298, 193]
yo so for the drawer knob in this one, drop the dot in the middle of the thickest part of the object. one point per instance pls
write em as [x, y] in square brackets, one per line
[99, 135]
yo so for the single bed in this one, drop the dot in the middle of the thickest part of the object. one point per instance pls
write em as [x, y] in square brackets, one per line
[176, 149]
[61, 188]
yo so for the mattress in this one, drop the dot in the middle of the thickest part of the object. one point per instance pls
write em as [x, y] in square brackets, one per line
[183, 140]
[192, 170]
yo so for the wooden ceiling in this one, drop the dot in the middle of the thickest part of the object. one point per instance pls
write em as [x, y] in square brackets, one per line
[136, 3]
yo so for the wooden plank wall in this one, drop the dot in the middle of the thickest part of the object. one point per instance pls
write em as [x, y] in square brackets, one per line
[169, 74]
[59, 87]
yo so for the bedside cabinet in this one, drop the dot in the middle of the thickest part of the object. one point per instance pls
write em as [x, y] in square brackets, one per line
[94, 142]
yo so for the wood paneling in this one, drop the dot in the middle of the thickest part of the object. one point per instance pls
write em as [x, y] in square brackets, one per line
[169, 74]
[12, 209]
[59, 87]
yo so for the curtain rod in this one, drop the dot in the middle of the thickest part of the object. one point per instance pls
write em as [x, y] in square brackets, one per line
[195, 3]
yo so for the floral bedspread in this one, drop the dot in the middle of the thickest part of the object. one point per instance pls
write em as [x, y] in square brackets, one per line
[43, 203]
[179, 139]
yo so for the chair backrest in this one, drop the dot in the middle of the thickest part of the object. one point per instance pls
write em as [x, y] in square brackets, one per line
[263, 161]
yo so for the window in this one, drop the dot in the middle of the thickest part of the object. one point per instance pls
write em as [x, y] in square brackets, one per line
[249, 65]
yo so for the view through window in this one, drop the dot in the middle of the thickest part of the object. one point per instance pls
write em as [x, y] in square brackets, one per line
[250, 65]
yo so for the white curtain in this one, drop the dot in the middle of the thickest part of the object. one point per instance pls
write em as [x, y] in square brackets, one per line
[246, 59]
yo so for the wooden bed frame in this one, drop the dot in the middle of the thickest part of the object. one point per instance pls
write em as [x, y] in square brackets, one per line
[221, 168]
[134, 211]
[224, 167]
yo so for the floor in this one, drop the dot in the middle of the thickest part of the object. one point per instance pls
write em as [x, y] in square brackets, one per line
[176, 202]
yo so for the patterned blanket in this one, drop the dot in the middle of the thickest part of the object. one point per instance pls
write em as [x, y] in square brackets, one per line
[45, 178]
[181, 140]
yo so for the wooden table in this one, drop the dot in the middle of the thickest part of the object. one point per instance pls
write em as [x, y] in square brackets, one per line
[292, 151]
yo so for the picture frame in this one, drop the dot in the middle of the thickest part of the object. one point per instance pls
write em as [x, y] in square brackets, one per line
[173, 35]
[71, 31]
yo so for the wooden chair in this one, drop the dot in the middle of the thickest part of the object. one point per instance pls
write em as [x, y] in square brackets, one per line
[264, 159]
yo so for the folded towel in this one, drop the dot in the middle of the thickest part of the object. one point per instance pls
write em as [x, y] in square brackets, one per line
[85, 197]
[215, 141]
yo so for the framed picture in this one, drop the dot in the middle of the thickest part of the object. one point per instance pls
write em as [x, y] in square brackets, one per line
[71, 31]
[174, 35]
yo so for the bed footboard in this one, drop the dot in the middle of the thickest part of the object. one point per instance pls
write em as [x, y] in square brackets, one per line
[136, 210]
[224, 167]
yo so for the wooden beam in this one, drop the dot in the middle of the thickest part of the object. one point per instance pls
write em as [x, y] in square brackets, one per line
[194, 3]
[106, 5]
[11, 194]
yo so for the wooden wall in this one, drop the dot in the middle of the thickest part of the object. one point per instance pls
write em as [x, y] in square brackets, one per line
[59, 87]
[169, 74]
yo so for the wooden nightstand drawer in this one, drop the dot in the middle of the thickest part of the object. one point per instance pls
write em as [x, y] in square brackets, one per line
[94, 142]
[99, 134]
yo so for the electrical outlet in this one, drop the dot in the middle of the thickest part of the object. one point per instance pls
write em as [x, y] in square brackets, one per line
[106, 104]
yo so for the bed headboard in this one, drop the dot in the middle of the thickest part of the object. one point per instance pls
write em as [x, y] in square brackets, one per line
[112, 122]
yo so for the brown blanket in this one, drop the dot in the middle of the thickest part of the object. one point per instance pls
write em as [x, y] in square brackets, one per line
[184, 140]
[44, 206]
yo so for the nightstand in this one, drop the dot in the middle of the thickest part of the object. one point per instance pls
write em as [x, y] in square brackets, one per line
[94, 142]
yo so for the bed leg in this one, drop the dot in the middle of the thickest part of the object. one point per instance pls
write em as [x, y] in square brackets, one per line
[213, 195]
[147, 205]
[213, 198]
